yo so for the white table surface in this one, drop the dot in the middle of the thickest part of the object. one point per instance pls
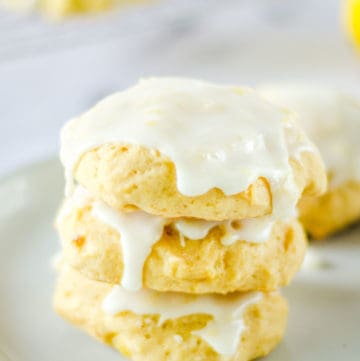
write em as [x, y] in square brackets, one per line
[52, 72]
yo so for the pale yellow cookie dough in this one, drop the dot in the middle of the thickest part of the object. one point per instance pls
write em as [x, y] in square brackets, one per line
[141, 338]
[129, 177]
[197, 266]
[333, 211]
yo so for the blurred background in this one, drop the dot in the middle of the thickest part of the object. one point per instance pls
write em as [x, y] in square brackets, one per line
[53, 67]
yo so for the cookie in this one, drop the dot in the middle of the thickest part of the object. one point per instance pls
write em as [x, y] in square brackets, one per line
[332, 212]
[257, 323]
[331, 118]
[186, 148]
[208, 257]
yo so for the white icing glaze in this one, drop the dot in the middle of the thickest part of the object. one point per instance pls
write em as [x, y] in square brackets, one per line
[217, 136]
[332, 120]
[139, 232]
[255, 230]
[222, 333]
[194, 228]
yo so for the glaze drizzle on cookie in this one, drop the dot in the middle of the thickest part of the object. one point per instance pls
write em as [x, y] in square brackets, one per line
[217, 136]
[222, 333]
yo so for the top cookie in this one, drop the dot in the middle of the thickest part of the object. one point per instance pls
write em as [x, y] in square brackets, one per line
[187, 148]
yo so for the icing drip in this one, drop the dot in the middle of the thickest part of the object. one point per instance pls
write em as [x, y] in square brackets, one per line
[255, 230]
[194, 228]
[139, 232]
[222, 333]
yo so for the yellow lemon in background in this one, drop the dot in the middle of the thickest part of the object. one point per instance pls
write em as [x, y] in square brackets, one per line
[352, 19]
[61, 8]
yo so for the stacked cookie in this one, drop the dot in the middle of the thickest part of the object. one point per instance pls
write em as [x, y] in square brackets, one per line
[180, 220]
[331, 118]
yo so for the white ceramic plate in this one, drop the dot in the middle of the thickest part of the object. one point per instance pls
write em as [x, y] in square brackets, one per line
[324, 299]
